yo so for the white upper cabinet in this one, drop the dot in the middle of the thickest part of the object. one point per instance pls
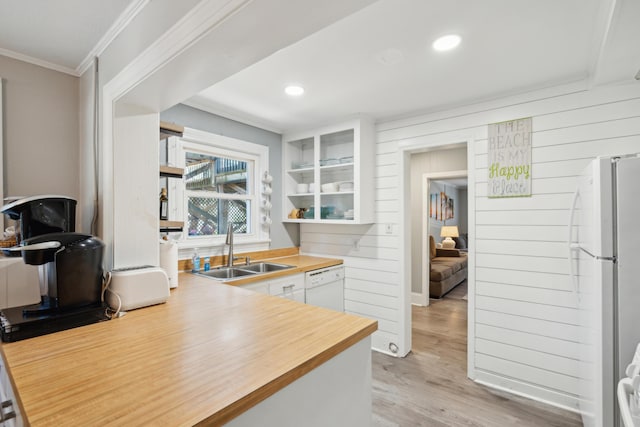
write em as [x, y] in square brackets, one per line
[328, 174]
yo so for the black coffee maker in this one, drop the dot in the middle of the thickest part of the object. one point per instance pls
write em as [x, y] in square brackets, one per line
[70, 263]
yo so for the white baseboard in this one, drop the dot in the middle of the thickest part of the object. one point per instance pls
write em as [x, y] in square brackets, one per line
[383, 342]
[387, 352]
[550, 397]
[418, 299]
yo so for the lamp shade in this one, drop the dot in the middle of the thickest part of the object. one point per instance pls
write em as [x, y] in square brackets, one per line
[449, 231]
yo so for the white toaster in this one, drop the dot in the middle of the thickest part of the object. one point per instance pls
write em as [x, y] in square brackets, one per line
[138, 287]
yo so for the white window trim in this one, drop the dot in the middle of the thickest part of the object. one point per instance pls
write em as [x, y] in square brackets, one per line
[194, 140]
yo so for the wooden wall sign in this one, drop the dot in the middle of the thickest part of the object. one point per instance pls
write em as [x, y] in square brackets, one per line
[509, 162]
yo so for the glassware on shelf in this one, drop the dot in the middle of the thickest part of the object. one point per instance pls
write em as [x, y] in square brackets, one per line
[329, 162]
[348, 159]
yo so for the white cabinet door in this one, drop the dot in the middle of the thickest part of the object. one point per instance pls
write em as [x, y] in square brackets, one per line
[287, 285]
[10, 410]
[291, 287]
[298, 295]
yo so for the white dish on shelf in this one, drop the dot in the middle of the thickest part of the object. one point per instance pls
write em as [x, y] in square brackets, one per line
[329, 187]
[346, 186]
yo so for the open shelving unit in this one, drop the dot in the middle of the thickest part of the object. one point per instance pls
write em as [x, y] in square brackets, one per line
[339, 171]
[168, 130]
[171, 172]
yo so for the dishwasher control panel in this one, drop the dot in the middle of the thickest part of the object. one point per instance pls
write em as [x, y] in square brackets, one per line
[324, 275]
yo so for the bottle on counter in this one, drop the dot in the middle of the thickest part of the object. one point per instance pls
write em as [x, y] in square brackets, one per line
[196, 261]
[207, 264]
[164, 205]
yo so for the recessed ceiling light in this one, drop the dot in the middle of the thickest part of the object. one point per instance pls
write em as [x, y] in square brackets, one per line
[294, 90]
[447, 42]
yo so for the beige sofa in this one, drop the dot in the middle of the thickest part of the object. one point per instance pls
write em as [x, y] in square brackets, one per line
[448, 269]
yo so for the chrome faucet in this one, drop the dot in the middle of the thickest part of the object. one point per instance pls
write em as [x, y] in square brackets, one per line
[229, 242]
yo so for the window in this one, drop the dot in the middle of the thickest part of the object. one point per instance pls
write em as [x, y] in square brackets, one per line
[221, 187]
[217, 194]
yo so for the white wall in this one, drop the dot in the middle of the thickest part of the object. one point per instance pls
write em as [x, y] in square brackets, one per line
[135, 230]
[40, 130]
[524, 319]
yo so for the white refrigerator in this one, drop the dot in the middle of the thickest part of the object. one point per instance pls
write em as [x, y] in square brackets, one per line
[604, 247]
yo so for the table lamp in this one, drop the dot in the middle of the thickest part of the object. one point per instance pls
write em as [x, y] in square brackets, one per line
[449, 231]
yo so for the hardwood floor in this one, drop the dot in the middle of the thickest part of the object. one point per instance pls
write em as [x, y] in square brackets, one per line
[430, 386]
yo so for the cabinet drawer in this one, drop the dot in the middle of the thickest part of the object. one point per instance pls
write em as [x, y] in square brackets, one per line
[298, 295]
[260, 287]
[10, 411]
[287, 285]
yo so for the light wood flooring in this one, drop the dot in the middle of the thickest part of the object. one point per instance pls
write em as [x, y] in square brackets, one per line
[430, 386]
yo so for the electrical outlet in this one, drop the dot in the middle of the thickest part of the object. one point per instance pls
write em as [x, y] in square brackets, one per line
[388, 228]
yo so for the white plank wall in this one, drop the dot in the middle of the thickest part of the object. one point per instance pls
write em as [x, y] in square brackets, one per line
[525, 328]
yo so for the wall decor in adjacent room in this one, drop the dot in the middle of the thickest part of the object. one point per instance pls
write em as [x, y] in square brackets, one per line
[509, 158]
[440, 206]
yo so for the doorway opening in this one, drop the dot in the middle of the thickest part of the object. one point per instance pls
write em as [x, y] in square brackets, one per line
[444, 215]
[449, 159]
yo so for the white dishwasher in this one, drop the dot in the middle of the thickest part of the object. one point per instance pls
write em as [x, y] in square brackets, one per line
[325, 288]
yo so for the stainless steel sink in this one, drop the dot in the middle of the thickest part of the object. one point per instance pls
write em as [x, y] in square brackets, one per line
[264, 267]
[238, 271]
[226, 273]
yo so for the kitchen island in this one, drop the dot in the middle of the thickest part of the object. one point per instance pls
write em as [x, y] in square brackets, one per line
[213, 354]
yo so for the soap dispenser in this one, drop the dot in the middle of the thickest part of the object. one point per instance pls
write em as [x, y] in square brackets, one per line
[196, 262]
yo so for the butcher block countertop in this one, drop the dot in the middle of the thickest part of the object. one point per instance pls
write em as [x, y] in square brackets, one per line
[204, 357]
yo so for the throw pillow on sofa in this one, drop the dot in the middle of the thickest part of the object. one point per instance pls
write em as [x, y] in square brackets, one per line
[461, 243]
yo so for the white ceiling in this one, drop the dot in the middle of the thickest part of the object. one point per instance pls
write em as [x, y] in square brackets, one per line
[376, 62]
[57, 34]
[507, 47]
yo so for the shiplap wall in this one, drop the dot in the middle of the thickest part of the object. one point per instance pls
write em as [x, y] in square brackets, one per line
[524, 329]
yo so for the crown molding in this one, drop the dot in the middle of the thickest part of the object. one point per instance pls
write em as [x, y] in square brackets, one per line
[200, 104]
[602, 35]
[39, 62]
[118, 26]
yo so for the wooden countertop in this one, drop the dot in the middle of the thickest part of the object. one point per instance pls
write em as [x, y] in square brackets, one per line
[207, 355]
